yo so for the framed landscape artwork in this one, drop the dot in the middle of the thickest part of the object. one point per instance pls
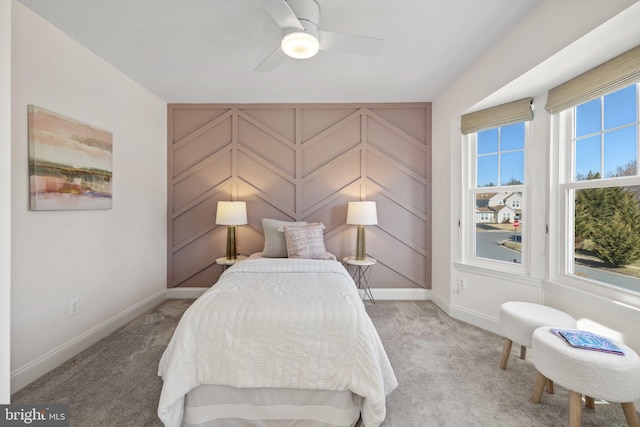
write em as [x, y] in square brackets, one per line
[70, 163]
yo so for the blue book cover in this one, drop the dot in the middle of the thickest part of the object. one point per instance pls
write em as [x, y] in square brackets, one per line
[588, 341]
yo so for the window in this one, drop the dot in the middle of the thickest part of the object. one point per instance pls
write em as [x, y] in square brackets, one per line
[600, 189]
[496, 193]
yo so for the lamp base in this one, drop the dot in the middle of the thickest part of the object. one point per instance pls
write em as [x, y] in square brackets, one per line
[361, 251]
[232, 249]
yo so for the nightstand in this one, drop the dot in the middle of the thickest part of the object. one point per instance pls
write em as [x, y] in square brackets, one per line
[361, 272]
[226, 263]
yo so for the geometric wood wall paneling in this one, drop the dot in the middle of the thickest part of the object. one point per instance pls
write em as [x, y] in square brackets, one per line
[330, 179]
[195, 148]
[401, 148]
[398, 161]
[199, 180]
[327, 147]
[192, 258]
[278, 188]
[411, 121]
[396, 255]
[300, 162]
[209, 274]
[191, 220]
[407, 188]
[280, 120]
[401, 223]
[314, 124]
[391, 278]
[274, 149]
[269, 207]
[187, 120]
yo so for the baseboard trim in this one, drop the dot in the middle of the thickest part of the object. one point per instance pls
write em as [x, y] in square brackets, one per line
[185, 293]
[400, 293]
[441, 303]
[474, 318]
[33, 370]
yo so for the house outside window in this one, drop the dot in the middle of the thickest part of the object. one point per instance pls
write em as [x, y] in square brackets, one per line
[505, 217]
[496, 183]
[515, 203]
[599, 190]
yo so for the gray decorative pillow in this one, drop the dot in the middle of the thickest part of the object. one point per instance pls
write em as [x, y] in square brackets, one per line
[275, 245]
[306, 241]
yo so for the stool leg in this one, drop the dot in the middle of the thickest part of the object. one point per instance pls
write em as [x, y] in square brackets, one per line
[630, 414]
[589, 402]
[575, 409]
[523, 352]
[550, 389]
[538, 388]
[506, 350]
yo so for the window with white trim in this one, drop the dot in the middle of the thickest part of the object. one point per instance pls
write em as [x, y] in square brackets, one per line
[599, 190]
[496, 191]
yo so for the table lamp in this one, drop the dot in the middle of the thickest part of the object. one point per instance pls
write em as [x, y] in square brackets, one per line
[361, 214]
[231, 214]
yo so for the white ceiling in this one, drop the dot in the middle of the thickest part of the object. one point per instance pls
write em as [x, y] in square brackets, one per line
[195, 51]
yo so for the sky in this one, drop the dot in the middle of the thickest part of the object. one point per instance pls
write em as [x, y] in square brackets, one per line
[501, 155]
[606, 138]
[607, 141]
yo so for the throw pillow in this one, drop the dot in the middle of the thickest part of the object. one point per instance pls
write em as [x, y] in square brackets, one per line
[275, 245]
[306, 241]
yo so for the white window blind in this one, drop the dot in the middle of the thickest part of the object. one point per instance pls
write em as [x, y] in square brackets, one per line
[617, 73]
[501, 115]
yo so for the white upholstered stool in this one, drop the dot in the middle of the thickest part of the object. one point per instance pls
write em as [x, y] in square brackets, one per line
[519, 319]
[594, 374]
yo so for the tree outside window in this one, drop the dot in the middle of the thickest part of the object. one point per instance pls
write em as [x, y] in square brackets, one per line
[605, 189]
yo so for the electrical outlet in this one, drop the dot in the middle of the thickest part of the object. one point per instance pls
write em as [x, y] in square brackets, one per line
[74, 306]
[462, 283]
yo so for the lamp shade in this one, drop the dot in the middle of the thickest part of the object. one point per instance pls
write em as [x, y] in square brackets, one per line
[231, 213]
[362, 213]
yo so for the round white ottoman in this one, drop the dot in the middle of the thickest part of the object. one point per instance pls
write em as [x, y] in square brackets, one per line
[519, 319]
[595, 374]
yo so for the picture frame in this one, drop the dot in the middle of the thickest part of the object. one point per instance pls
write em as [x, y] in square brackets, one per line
[70, 163]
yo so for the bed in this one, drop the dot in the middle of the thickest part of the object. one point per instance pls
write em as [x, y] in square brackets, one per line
[276, 342]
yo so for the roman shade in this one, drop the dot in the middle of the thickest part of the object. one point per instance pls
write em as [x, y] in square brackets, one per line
[501, 115]
[617, 73]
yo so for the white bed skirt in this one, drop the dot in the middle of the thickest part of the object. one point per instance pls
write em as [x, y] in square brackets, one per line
[226, 406]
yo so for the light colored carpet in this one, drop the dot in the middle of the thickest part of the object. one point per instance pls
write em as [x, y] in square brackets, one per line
[447, 370]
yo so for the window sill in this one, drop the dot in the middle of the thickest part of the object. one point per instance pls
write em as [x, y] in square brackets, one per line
[600, 291]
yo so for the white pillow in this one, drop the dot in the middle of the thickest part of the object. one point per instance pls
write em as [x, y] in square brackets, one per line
[275, 245]
[306, 241]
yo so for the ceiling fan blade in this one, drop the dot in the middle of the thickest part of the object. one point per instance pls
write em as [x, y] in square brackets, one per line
[350, 43]
[271, 61]
[282, 14]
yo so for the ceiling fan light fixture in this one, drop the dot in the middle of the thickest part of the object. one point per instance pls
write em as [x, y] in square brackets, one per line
[300, 44]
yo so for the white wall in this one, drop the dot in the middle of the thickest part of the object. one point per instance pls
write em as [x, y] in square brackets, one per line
[509, 70]
[5, 197]
[113, 260]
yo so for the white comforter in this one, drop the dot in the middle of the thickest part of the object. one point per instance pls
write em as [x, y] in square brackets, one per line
[290, 323]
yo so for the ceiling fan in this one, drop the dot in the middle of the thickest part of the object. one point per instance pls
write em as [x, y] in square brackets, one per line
[301, 38]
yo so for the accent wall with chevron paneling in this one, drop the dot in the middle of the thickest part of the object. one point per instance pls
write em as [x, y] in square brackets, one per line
[301, 162]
